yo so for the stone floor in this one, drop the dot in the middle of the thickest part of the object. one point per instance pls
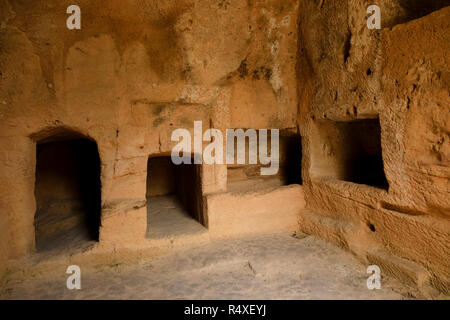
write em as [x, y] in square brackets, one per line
[166, 217]
[280, 266]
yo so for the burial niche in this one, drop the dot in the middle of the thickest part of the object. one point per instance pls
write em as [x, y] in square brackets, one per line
[350, 151]
[174, 198]
[67, 191]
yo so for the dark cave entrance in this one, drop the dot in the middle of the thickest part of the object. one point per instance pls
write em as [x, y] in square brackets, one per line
[68, 193]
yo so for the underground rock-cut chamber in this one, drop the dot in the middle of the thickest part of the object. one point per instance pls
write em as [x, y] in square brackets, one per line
[174, 199]
[67, 192]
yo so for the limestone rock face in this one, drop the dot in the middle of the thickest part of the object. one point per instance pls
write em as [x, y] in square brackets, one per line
[398, 77]
[133, 73]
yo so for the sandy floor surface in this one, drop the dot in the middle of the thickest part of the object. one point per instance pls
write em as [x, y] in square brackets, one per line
[279, 266]
[166, 217]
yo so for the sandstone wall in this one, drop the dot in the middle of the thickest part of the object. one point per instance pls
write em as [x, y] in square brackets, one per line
[134, 72]
[399, 75]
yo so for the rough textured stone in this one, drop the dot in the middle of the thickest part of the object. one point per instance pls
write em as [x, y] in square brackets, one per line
[398, 75]
[372, 108]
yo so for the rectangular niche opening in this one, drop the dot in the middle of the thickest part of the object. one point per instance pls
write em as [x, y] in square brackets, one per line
[247, 177]
[350, 151]
[174, 199]
[68, 195]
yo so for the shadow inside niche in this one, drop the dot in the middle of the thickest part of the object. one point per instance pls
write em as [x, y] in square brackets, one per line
[415, 9]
